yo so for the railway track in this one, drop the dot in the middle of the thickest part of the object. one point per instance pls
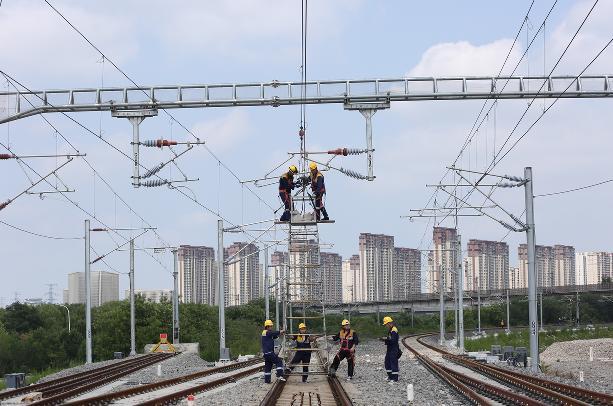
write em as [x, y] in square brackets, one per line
[182, 386]
[57, 390]
[320, 390]
[488, 384]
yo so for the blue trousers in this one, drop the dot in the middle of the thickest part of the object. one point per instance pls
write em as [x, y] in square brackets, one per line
[391, 364]
[269, 360]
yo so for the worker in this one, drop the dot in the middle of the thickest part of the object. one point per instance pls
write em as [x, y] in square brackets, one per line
[319, 190]
[349, 342]
[393, 350]
[268, 350]
[286, 185]
[303, 351]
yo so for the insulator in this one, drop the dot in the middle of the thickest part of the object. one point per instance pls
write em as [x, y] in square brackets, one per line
[513, 178]
[3, 205]
[352, 174]
[7, 156]
[158, 143]
[346, 151]
[154, 183]
[153, 171]
[301, 132]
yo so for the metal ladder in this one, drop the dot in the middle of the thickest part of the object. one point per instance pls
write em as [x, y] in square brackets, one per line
[303, 295]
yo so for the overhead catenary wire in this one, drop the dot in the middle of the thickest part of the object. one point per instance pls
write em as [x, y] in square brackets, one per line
[497, 160]
[172, 117]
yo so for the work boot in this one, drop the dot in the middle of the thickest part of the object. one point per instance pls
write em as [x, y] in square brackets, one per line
[323, 210]
[332, 372]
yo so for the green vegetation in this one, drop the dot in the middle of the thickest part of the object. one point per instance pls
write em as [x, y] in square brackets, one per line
[35, 339]
[521, 338]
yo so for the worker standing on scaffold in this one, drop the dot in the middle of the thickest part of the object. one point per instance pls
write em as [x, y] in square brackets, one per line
[268, 350]
[286, 185]
[349, 342]
[303, 351]
[393, 352]
[319, 190]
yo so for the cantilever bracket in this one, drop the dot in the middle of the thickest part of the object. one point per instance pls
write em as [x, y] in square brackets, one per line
[135, 117]
[368, 110]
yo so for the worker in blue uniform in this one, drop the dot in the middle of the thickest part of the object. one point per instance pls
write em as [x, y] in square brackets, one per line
[303, 351]
[268, 350]
[393, 350]
[318, 187]
[349, 342]
[286, 185]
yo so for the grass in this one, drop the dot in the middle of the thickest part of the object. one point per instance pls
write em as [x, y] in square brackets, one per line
[521, 338]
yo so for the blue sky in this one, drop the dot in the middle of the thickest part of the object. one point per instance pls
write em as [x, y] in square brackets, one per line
[244, 41]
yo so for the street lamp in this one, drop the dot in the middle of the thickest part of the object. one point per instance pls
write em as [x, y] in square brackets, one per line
[67, 310]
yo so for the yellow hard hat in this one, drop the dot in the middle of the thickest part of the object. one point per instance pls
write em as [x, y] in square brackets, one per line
[345, 322]
[312, 166]
[268, 323]
[387, 319]
[293, 169]
[301, 325]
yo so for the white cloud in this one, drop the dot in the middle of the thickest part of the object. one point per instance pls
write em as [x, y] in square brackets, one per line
[465, 59]
[223, 133]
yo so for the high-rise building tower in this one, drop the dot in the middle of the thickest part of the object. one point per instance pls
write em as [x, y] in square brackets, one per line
[442, 258]
[544, 264]
[332, 268]
[487, 265]
[564, 270]
[104, 287]
[376, 266]
[197, 274]
[406, 276]
[279, 262]
[518, 279]
[592, 268]
[242, 273]
[351, 270]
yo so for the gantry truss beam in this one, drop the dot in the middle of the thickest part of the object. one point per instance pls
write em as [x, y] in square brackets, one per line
[16, 105]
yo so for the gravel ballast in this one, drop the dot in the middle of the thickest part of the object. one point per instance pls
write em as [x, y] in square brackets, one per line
[82, 368]
[370, 387]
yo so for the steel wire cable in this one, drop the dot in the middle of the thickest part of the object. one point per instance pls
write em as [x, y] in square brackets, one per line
[495, 160]
[78, 206]
[472, 130]
[574, 189]
[164, 110]
[51, 237]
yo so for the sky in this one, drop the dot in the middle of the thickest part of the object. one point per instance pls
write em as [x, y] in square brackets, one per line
[193, 42]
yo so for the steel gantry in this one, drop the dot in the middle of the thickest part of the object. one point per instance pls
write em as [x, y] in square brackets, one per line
[276, 93]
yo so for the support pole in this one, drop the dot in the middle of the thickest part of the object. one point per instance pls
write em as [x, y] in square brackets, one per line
[176, 329]
[132, 311]
[266, 287]
[224, 354]
[479, 304]
[441, 300]
[88, 298]
[530, 239]
[577, 310]
[541, 310]
[508, 314]
[135, 121]
[455, 309]
[277, 295]
[460, 283]
[368, 113]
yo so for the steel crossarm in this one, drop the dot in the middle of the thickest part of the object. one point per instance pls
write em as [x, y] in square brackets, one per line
[17, 105]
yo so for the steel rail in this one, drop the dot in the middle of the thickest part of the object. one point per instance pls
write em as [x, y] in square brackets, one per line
[278, 93]
[126, 393]
[54, 383]
[77, 388]
[555, 391]
[176, 396]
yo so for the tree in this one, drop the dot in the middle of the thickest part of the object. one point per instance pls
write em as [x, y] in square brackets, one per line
[21, 318]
